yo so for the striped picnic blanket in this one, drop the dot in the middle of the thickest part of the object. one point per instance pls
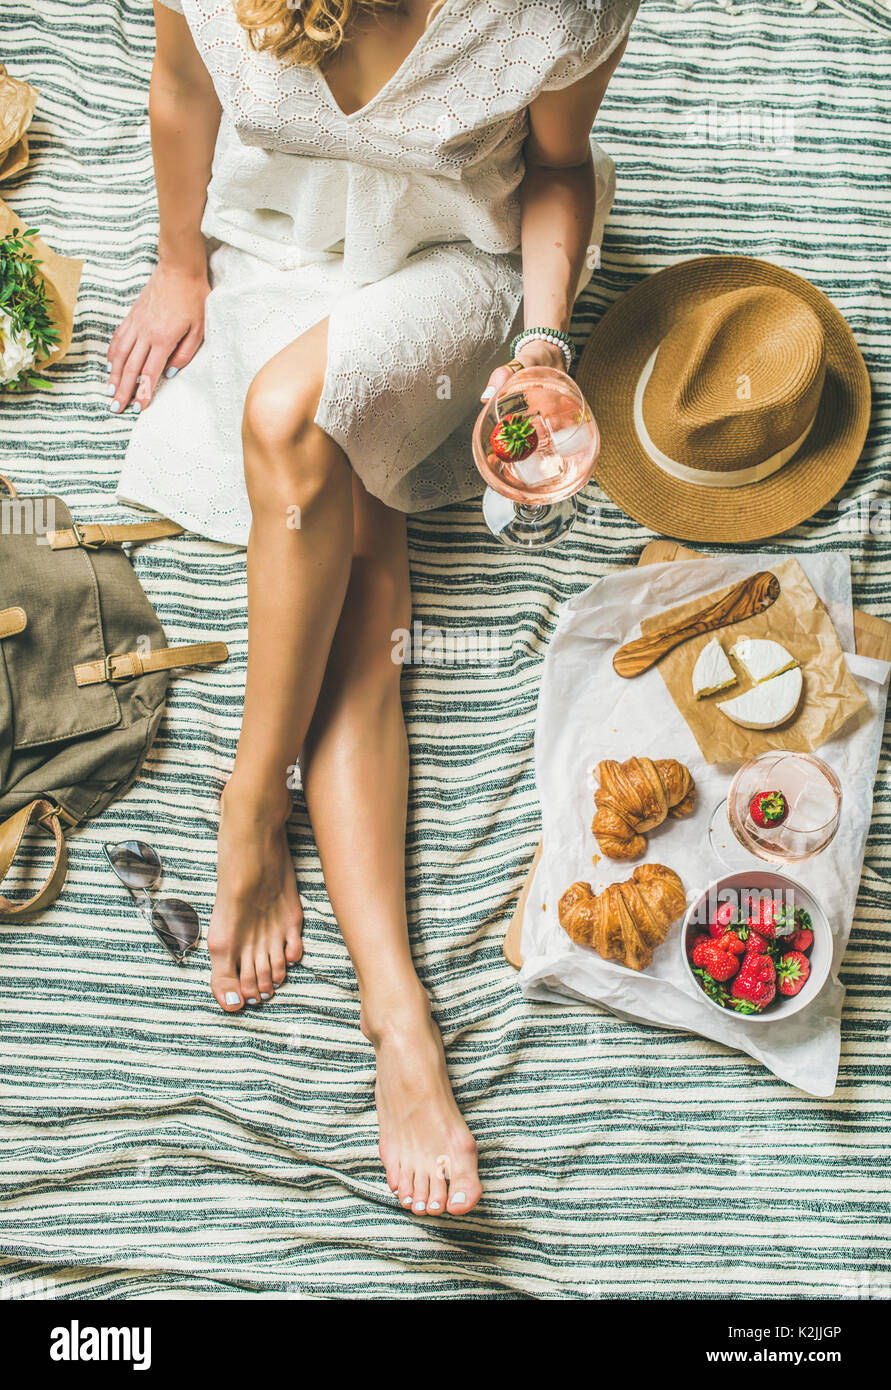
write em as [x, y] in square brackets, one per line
[151, 1146]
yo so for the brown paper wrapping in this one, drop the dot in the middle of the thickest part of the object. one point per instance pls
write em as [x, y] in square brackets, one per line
[798, 620]
[61, 276]
[17, 102]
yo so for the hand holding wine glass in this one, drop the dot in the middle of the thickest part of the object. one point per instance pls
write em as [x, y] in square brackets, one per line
[535, 444]
[534, 352]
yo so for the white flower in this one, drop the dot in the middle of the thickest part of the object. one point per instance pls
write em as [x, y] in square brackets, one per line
[15, 354]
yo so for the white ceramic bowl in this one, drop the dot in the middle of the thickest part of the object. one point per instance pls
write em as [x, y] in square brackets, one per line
[761, 880]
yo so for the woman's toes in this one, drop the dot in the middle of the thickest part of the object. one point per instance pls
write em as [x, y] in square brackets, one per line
[226, 988]
[420, 1193]
[437, 1198]
[263, 972]
[248, 976]
[406, 1187]
[464, 1193]
[293, 945]
[279, 967]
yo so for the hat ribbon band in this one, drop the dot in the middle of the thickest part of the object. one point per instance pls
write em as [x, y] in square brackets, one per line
[739, 477]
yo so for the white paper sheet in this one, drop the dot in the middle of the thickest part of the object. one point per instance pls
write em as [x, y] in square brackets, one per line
[586, 712]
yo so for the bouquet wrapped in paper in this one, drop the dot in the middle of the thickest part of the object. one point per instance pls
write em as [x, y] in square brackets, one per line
[17, 102]
[38, 292]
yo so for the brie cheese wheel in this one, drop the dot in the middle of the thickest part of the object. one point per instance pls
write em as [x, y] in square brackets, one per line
[712, 671]
[766, 705]
[762, 659]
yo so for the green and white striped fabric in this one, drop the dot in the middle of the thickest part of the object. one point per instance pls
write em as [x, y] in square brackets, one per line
[152, 1147]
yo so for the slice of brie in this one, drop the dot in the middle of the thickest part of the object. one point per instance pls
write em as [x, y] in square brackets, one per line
[767, 705]
[762, 659]
[712, 671]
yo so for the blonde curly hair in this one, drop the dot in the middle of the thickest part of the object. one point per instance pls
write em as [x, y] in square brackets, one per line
[306, 33]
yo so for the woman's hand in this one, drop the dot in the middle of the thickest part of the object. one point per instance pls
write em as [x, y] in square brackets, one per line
[161, 333]
[533, 353]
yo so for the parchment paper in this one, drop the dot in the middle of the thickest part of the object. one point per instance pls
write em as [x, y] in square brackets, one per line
[61, 275]
[586, 712]
[17, 102]
[800, 622]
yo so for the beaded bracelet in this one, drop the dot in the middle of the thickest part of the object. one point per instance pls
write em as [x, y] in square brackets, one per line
[547, 335]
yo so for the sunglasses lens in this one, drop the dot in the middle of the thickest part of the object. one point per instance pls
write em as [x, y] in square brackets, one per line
[135, 863]
[176, 922]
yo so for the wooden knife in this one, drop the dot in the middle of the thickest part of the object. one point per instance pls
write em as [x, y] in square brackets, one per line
[744, 600]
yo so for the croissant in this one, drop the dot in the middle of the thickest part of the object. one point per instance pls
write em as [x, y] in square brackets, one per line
[636, 796]
[627, 921]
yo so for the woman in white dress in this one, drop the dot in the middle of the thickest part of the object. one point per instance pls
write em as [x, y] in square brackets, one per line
[355, 198]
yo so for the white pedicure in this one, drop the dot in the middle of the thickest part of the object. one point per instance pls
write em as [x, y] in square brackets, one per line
[253, 1001]
[115, 407]
[171, 373]
[406, 1201]
[108, 366]
[111, 388]
[433, 1206]
[419, 1207]
[459, 1197]
[488, 393]
[265, 996]
[136, 407]
[232, 997]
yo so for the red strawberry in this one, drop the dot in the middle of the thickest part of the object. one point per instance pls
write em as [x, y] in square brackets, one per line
[731, 943]
[696, 945]
[755, 945]
[792, 972]
[514, 438]
[769, 809]
[802, 940]
[756, 981]
[722, 919]
[721, 965]
[773, 919]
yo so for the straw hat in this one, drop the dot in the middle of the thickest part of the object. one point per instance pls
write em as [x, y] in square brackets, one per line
[731, 397]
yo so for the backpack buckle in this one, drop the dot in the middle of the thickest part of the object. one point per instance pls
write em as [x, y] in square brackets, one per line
[110, 674]
[79, 538]
[128, 659]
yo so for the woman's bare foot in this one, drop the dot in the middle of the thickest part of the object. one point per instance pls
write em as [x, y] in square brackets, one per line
[256, 922]
[426, 1148]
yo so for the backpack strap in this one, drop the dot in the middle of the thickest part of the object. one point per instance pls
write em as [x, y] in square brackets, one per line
[96, 534]
[12, 620]
[123, 666]
[43, 813]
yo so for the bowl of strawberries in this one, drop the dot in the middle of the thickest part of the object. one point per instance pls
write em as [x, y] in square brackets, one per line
[757, 945]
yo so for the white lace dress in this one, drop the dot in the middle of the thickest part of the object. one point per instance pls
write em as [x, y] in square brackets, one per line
[398, 223]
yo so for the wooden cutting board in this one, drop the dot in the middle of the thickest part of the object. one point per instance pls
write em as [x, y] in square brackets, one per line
[872, 637]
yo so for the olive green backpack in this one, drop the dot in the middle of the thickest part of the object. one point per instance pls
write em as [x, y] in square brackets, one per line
[84, 667]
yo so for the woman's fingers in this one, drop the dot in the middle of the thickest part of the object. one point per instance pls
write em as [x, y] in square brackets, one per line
[136, 364]
[498, 378]
[150, 374]
[118, 351]
[186, 349]
[130, 370]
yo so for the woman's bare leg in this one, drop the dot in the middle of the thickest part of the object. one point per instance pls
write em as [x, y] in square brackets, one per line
[355, 776]
[298, 565]
[314, 603]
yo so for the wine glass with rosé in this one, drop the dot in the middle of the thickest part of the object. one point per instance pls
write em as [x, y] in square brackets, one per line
[782, 807]
[535, 444]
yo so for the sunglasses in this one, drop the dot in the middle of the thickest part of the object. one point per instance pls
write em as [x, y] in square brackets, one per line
[173, 921]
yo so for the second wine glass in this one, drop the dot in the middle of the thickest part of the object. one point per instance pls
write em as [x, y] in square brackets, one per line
[813, 799]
